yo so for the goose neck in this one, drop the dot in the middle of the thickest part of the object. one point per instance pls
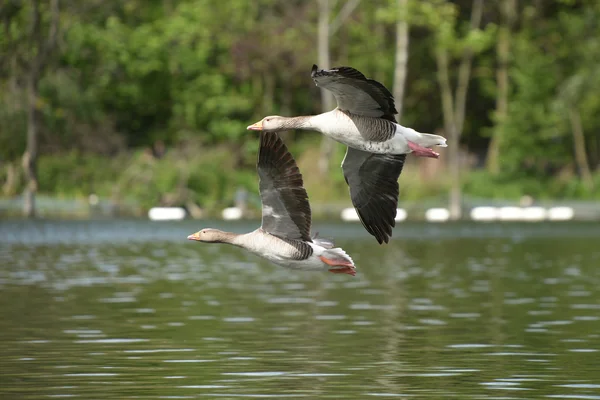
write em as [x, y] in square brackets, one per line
[301, 122]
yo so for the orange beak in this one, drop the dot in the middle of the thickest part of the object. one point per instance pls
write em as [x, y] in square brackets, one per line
[255, 127]
[193, 236]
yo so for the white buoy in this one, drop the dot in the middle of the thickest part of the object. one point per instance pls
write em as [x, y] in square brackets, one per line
[93, 199]
[534, 213]
[437, 215]
[510, 213]
[400, 214]
[349, 214]
[484, 213]
[166, 213]
[560, 213]
[231, 213]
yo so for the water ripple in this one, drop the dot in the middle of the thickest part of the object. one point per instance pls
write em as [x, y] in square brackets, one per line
[454, 311]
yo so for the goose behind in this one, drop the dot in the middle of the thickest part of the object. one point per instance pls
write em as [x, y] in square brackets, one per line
[377, 146]
[284, 236]
[364, 118]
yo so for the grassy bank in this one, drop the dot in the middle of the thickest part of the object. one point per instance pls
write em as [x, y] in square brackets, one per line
[208, 178]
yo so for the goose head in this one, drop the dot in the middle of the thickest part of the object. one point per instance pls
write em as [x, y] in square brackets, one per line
[273, 123]
[209, 235]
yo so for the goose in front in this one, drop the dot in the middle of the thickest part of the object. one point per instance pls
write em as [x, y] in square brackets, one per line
[377, 146]
[284, 236]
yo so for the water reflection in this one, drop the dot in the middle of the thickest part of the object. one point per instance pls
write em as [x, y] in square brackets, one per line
[452, 311]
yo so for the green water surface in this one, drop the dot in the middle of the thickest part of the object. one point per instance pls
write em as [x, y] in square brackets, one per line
[132, 310]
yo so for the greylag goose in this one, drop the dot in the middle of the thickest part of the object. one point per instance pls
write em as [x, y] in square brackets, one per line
[284, 236]
[377, 145]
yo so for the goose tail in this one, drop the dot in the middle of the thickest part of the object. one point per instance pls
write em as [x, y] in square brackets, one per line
[430, 140]
[338, 255]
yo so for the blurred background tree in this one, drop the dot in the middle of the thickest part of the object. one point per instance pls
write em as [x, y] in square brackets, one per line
[148, 101]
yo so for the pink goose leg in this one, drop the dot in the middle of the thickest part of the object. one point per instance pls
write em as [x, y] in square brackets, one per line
[422, 151]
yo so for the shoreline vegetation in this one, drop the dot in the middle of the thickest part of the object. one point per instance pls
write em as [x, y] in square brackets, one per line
[78, 185]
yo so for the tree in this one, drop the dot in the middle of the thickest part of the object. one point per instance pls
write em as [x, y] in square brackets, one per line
[32, 49]
[453, 105]
[549, 125]
[110, 77]
[508, 13]
[401, 59]
[326, 30]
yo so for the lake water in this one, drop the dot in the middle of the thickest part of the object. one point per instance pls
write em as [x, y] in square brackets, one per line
[132, 310]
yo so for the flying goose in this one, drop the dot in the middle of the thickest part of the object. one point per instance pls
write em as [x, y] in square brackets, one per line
[284, 236]
[377, 145]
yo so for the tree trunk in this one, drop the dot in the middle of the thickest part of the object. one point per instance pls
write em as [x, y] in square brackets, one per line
[579, 144]
[325, 31]
[454, 114]
[507, 15]
[42, 44]
[344, 13]
[327, 144]
[464, 71]
[286, 108]
[454, 201]
[401, 55]
[30, 156]
[9, 186]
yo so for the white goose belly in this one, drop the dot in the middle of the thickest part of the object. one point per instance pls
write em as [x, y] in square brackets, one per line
[342, 129]
[281, 253]
[312, 263]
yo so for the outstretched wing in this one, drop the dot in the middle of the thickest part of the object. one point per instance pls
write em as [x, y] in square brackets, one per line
[373, 182]
[355, 93]
[285, 207]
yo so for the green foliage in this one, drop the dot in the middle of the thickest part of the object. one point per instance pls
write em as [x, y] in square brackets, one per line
[482, 184]
[12, 132]
[77, 175]
[553, 70]
[206, 177]
[192, 74]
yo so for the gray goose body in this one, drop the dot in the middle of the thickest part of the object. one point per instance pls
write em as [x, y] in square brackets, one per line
[284, 235]
[377, 145]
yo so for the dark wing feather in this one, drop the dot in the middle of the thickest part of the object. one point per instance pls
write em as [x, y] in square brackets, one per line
[355, 93]
[285, 207]
[373, 182]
